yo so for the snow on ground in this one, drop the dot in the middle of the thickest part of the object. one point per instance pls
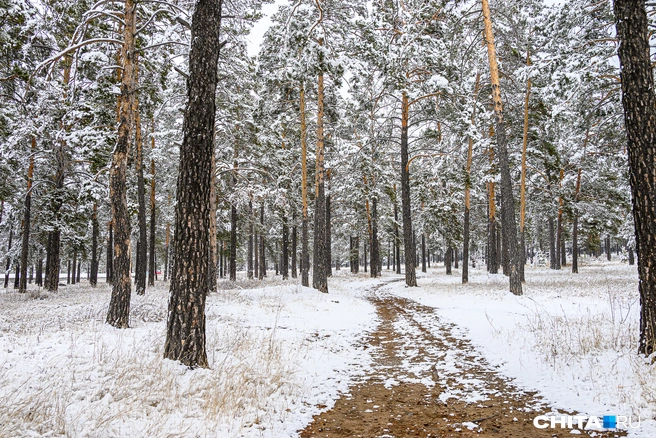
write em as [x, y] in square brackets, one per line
[278, 355]
[572, 337]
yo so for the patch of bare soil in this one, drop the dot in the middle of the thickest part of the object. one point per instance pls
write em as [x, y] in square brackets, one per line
[428, 381]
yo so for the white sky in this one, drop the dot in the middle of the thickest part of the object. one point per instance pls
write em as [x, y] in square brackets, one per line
[257, 33]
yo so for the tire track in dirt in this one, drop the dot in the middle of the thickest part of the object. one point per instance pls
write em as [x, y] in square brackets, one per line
[427, 381]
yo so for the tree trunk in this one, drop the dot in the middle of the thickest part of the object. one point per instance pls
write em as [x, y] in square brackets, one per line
[305, 254]
[185, 337]
[151, 259]
[294, 248]
[249, 272]
[553, 259]
[68, 273]
[79, 268]
[110, 253]
[213, 248]
[448, 257]
[142, 257]
[74, 272]
[508, 205]
[25, 248]
[118, 314]
[640, 121]
[262, 245]
[39, 271]
[608, 254]
[8, 265]
[522, 185]
[166, 251]
[559, 238]
[142, 246]
[17, 275]
[375, 247]
[233, 220]
[397, 237]
[95, 231]
[423, 252]
[410, 275]
[256, 272]
[284, 263]
[329, 239]
[221, 260]
[575, 242]
[233, 243]
[492, 253]
[470, 154]
[563, 249]
[319, 278]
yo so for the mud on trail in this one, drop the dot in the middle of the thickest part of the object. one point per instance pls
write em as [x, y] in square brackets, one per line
[429, 381]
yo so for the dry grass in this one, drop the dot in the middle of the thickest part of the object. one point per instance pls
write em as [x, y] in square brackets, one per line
[102, 382]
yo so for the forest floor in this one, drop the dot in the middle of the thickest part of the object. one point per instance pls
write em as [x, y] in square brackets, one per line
[428, 381]
[372, 358]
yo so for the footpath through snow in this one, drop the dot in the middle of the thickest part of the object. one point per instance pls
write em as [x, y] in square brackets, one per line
[370, 359]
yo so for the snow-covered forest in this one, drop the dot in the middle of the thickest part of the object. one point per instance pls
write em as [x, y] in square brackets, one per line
[399, 218]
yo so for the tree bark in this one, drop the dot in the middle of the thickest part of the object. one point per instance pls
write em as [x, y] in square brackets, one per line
[142, 246]
[8, 265]
[284, 263]
[185, 337]
[410, 275]
[25, 248]
[95, 232]
[39, 270]
[110, 252]
[249, 272]
[375, 246]
[294, 248]
[263, 267]
[166, 251]
[74, 272]
[319, 277]
[256, 271]
[329, 239]
[553, 259]
[305, 254]
[522, 196]
[233, 243]
[151, 259]
[118, 314]
[470, 155]
[448, 258]
[213, 248]
[397, 237]
[508, 204]
[640, 122]
[492, 253]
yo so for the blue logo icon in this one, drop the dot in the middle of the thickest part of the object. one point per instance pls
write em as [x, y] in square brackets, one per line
[610, 421]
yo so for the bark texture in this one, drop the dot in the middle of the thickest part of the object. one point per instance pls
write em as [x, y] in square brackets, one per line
[508, 204]
[22, 287]
[640, 122]
[185, 336]
[319, 277]
[118, 314]
[410, 275]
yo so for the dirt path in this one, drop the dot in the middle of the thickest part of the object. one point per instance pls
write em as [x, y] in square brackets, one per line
[428, 381]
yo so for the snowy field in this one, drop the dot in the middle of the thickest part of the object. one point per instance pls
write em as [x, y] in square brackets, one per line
[282, 353]
[572, 337]
[278, 355]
